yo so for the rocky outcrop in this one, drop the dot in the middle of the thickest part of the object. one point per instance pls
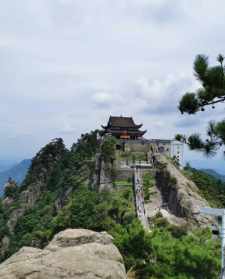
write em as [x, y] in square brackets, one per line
[106, 180]
[17, 202]
[10, 192]
[180, 196]
[72, 254]
[103, 178]
[36, 182]
[4, 246]
[154, 207]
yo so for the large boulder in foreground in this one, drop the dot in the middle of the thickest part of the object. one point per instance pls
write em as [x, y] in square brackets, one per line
[72, 254]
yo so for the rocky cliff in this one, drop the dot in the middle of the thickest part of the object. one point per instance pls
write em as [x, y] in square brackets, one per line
[74, 189]
[72, 254]
[180, 196]
[35, 184]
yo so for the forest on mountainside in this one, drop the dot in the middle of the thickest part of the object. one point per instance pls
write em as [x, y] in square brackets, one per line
[211, 188]
[68, 199]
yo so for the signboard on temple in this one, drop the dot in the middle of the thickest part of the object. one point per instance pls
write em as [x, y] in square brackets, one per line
[123, 128]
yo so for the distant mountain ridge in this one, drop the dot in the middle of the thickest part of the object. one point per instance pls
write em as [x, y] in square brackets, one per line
[6, 164]
[214, 174]
[16, 172]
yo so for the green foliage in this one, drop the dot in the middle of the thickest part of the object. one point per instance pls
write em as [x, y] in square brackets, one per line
[180, 137]
[60, 171]
[3, 222]
[195, 142]
[213, 86]
[189, 103]
[133, 156]
[108, 148]
[201, 66]
[34, 227]
[172, 180]
[87, 146]
[86, 209]
[131, 242]
[210, 188]
[96, 211]
[119, 184]
[44, 162]
[210, 146]
[219, 131]
[148, 183]
[212, 91]
[11, 189]
[68, 200]
[160, 254]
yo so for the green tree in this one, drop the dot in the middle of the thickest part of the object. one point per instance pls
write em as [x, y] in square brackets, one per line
[211, 92]
[11, 189]
[108, 148]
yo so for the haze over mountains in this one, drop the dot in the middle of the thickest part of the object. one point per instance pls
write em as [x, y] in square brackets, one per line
[17, 172]
[6, 164]
[214, 174]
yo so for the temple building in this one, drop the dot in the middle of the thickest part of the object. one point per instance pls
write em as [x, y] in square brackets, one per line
[131, 139]
[123, 128]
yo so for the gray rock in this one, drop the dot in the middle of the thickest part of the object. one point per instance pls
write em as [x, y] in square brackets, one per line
[4, 245]
[72, 254]
[105, 179]
[181, 194]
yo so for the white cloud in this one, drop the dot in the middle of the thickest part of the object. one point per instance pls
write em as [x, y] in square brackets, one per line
[102, 98]
[66, 65]
[161, 96]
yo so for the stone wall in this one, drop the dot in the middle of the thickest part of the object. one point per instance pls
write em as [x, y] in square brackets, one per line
[137, 146]
[156, 145]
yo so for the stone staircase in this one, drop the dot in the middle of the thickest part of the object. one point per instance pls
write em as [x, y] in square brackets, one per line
[139, 197]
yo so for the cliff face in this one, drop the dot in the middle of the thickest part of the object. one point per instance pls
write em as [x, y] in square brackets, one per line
[36, 181]
[180, 196]
[27, 215]
[72, 254]
[175, 196]
[75, 189]
[35, 184]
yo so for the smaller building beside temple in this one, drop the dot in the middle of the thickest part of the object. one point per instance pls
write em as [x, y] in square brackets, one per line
[123, 128]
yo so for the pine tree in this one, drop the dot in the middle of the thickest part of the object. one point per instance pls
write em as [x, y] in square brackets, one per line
[211, 92]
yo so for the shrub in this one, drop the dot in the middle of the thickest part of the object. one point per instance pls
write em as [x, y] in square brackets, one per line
[109, 148]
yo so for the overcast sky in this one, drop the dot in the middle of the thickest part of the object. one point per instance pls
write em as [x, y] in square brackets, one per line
[66, 65]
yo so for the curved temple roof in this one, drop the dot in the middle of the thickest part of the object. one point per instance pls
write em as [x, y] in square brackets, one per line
[117, 125]
[123, 122]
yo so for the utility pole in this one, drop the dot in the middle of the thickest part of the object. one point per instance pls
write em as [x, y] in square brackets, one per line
[219, 212]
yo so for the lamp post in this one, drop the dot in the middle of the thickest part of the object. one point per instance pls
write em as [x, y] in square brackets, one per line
[218, 212]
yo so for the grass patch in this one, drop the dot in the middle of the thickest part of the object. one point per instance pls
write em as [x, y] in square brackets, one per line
[148, 183]
[133, 156]
[123, 183]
